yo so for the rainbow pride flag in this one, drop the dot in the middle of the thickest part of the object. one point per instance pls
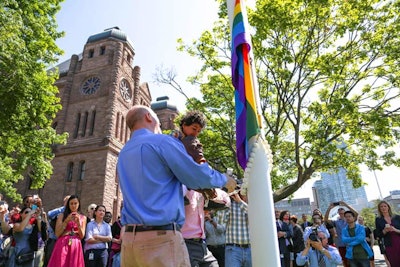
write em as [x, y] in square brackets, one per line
[247, 120]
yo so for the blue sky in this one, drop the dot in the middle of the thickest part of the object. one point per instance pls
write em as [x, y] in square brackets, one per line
[153, 26]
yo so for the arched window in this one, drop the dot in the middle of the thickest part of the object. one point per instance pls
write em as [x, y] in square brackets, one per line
[126, 134]
[92, 122]
[121, 133]
[84, 122]
[77, 122]
[82, 170]
[70, 170]
[117, 125]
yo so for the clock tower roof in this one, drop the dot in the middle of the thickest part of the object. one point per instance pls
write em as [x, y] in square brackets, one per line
[113, 32]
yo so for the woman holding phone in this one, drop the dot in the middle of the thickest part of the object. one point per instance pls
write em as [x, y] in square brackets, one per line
[70, 229]
[388, 229]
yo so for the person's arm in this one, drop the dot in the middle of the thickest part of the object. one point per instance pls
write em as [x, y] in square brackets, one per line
[342, 203]
[190, 173]
[354, 240]
[5, 227]
[371, 239]
[302, 257]
[335, 255]
[318, 246]
[54, 212]
[379, 226]
[104, 238]
[222, 197]
[243, 205]
[60, 225]
[81, 221]
[328, 211]
[19, 227]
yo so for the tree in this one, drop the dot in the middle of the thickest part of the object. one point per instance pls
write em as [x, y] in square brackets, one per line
[327, 73]
[369, 217]
[28, 98]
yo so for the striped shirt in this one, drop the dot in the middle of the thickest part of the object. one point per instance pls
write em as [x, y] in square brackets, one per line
[237, 228]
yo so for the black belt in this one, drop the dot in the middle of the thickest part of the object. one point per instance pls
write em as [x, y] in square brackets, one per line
[239, 245]
[198, 240]
[216, 246]
[143, 228]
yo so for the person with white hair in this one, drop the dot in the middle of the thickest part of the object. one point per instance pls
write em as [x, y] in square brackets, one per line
[90, 211]
[318, 252]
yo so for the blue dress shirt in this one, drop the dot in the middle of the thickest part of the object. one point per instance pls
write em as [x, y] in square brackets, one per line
[151, 169]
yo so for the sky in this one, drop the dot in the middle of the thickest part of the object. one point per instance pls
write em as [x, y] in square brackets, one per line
[153, 26]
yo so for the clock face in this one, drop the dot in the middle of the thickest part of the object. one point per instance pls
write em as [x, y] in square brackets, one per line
[90, 86]
[125, 90]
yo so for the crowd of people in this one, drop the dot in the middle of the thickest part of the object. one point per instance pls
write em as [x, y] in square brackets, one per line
[178, 211]
[64, 236]
[346, 240]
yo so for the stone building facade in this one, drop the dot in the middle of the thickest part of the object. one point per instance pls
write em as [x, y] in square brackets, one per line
[96, 88]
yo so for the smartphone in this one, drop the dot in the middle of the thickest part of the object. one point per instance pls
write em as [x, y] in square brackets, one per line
[34, 207]
[2, 203]
[336, 203]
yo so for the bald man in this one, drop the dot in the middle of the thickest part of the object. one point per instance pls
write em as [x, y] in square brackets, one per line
[152, 168]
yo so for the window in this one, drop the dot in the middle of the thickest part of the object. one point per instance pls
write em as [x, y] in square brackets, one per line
[70, 170]
[91, 53]
[102, 50]
[121, 132]
[77, 122]
[117, 125]
[85, 118]
[92, 122]
[82, 170]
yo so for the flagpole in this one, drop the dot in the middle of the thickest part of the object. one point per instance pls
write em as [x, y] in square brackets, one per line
[262, 224]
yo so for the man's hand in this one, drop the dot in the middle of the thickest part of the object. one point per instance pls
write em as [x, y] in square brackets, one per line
[235, 196]
[230, 184]
[316, 244]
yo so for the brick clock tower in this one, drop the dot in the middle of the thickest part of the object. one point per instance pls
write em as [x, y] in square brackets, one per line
[97, 88]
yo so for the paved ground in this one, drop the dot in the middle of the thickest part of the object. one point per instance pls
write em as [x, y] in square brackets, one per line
[379, 259]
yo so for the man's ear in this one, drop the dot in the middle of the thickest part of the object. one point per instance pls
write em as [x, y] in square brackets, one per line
[148, 117]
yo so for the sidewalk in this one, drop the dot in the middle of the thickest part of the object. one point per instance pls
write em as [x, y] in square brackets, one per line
[379, 259]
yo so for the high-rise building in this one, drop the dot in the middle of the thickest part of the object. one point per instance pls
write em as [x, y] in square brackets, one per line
[296, 206]
[96, 88]
[335, 187]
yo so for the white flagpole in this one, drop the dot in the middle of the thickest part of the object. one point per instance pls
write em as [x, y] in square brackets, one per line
[262, 224]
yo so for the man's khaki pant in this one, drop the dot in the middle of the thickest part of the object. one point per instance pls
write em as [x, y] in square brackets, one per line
[159, 248]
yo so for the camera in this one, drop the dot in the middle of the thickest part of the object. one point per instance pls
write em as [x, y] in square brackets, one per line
[336, 203]
[314, 234]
